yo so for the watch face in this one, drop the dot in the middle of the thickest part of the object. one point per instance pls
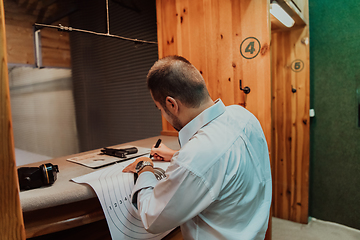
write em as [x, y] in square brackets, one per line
[139, 165]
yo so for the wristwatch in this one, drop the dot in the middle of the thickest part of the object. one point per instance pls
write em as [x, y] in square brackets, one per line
[140, 165]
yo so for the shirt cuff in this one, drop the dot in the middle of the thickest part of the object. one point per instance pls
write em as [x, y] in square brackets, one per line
[145, 180]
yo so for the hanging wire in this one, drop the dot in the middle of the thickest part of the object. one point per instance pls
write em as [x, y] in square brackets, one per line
[71, 29]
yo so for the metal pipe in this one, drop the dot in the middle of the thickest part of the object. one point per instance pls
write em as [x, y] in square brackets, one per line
[107, 17]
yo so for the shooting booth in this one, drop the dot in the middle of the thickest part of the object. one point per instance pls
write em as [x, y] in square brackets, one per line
[247, 56]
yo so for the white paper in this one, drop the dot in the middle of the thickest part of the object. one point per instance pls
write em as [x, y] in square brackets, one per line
[98, 159]
[113, 188]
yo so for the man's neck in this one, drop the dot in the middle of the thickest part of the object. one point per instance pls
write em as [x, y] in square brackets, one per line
[192, 113]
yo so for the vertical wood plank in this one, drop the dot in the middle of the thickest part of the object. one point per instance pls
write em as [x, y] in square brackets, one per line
[224, 54]
[290, 111]
[183, 29]
[198, 49]
[302, 120]
[255, 22]
[159, 23]
[239, 96]
[11, 220]
[167, 18]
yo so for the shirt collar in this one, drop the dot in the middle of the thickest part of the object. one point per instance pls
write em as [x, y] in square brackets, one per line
[201, 120]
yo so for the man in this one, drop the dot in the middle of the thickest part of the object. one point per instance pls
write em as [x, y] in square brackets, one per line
[218, 185]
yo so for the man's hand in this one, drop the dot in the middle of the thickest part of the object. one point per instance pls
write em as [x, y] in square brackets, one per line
[131, 167]
[162, 153]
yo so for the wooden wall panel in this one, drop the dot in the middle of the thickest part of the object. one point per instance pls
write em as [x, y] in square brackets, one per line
[11, 219]
[291, 125]
[209, 34]
[19, 20]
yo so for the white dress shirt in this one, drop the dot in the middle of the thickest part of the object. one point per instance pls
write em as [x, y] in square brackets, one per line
[218, 185]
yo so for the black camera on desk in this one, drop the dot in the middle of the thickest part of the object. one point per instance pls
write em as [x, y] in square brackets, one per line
[35, 177]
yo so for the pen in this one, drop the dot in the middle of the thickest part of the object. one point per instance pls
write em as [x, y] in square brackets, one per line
[157, 144]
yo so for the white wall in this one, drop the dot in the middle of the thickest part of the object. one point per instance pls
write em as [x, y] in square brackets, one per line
[43, 111]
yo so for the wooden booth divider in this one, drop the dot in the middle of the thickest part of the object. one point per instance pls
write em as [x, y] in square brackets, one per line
[291, 124]
[231, 40]
[228, 42]
[11, 219]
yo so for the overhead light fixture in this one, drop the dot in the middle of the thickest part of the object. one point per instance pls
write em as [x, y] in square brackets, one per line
[280, 14]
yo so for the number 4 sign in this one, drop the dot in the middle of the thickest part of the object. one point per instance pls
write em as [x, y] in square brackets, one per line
[250, 48]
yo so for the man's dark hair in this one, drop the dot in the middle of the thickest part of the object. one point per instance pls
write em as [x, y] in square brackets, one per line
[176, 77]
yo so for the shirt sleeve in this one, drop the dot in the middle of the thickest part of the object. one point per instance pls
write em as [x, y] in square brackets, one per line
[172, 201]
[146, 180]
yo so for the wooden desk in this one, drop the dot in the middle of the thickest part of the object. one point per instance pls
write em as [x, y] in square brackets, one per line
[70, 210]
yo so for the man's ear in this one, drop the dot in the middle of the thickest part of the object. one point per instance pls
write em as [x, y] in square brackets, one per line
[172, 105]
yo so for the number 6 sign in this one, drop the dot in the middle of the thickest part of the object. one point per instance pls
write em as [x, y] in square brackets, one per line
[250, 47]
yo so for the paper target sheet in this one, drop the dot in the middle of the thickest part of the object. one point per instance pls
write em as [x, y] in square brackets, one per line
[114, 188]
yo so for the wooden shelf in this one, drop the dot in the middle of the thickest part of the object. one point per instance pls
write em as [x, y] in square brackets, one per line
[59, 218]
